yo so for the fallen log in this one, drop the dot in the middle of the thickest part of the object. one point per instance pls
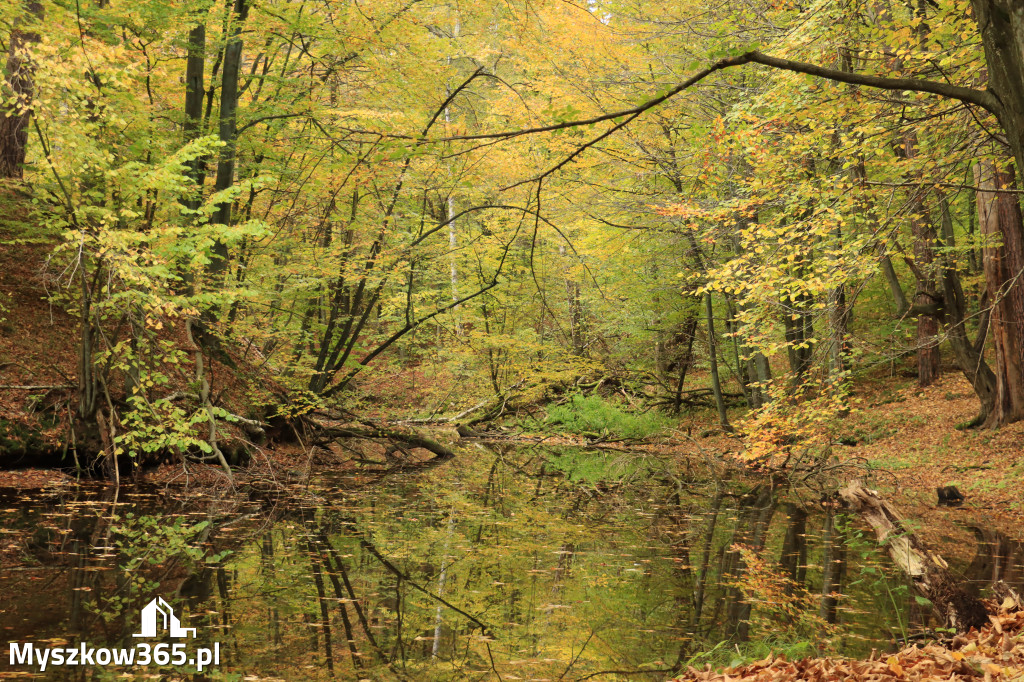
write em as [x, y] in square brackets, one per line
[928, 572]
[441, 452]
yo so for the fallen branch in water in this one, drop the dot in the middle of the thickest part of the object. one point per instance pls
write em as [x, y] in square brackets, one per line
[928, 572]
[441, 452]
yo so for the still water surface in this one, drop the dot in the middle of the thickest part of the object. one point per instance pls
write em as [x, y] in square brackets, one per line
[511, 563]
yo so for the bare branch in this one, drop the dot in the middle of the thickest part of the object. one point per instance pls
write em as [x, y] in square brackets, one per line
[981, 98]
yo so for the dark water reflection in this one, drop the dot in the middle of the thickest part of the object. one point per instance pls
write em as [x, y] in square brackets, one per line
[523, 563]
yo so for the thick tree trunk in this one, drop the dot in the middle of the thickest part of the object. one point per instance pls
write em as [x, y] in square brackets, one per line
[893, 280]
[968, 355]
[794, 547]
[1001, 24]
[228, 130]
[928, 355]
[839, 343]
[999, 219]
[195, 66]
[927, 571]
[833, 568]
[799, 331]
[17, 92]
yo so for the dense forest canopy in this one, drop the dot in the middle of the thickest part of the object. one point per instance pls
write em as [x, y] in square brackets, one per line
[774, 195]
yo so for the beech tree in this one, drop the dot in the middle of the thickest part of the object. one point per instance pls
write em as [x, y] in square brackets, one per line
[999, 24]
[16, 90]
[323, 185]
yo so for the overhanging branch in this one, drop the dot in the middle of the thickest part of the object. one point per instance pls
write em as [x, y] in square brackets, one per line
[981, 98]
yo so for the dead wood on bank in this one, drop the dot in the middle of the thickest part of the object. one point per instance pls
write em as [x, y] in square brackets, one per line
[928, 572]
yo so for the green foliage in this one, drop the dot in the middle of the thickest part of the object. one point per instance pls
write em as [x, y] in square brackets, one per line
[144, 543]
[151, 540]
[588, 466]
[596, 415]
[767, 645]
[160, 426]
[874, 575]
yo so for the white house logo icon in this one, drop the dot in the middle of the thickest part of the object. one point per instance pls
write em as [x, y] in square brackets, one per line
[159, 613]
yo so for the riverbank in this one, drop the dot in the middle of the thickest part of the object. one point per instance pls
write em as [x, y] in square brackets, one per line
[994, 653]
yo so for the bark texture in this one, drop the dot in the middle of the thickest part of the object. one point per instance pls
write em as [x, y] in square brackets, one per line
[999, 219]
[18, 84]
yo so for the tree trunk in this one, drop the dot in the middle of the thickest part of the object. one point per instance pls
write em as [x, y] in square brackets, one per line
[833, 566]
[761, 372]
[228, 131]
[799, 332]
[682, 349]
[794, 546]
[839, 344]
[742, 368]
[923, 230]
[577, 332]
[968, 355]
[1001, 24]
[716, 383]
[17, 86]
[999, 219]
[453, 247]
[195, 65]
[927, 571]
[893, 280]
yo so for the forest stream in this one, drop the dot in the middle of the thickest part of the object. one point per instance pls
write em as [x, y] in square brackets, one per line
[518, 563]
